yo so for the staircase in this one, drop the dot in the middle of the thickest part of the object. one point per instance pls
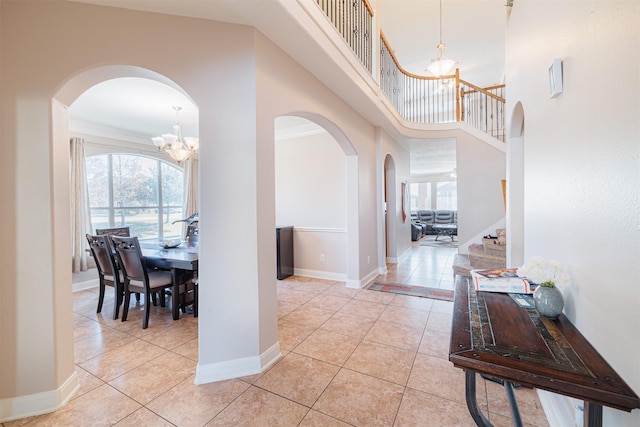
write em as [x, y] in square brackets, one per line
[491, 253]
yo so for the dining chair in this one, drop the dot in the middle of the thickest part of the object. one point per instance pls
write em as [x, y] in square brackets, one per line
[138, 279]
[115, 231]
[108, 272]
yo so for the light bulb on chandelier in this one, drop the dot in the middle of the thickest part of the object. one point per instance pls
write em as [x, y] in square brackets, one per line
[441, 65]
[177, 147]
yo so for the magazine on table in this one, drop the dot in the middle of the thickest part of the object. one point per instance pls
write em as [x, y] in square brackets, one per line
[504, 280]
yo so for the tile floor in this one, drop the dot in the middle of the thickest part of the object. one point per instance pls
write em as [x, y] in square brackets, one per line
[350, 357]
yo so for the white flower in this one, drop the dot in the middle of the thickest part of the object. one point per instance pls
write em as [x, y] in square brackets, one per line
[538, 270]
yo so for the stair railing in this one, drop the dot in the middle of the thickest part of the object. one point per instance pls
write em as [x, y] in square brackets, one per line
[419, 99]
[354, 21]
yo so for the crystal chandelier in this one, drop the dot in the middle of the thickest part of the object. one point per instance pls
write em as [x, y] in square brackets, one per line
[179, 148]
[441, 65]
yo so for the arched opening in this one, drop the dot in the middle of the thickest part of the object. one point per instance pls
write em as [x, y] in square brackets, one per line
[515, 188]
[316, 193]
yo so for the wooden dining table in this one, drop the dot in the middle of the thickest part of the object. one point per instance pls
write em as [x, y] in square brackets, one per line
[181, 260]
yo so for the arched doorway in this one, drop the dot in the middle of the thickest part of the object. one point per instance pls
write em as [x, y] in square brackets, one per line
[390, 209]
[337, 237]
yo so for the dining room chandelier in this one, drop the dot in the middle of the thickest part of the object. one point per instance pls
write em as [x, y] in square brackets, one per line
[177, 147]
[441, 65]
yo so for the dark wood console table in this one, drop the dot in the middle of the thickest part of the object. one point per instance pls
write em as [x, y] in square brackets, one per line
[492, 335]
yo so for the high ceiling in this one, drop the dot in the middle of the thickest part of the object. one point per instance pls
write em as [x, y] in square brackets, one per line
[473, 31]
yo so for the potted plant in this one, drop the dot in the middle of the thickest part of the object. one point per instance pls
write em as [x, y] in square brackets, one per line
[546, 274]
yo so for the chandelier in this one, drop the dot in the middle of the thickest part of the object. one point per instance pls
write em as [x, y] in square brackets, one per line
[441, 65]
[177, 147]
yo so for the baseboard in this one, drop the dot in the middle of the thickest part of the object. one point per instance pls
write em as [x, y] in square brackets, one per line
[560, 410]
[38, 403]
[237, 368]
[317, 274]
[359, 284]
[83, 286]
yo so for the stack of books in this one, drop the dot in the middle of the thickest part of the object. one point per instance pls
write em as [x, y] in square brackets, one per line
[504, 280]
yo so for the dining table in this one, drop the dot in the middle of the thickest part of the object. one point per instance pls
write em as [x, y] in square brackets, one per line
[181, 260]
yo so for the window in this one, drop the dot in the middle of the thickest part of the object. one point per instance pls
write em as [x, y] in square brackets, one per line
[140, 192]
[434, 195]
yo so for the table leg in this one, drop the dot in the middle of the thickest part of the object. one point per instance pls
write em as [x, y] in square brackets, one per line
[513, 404]
[592, 415]
[472, 401]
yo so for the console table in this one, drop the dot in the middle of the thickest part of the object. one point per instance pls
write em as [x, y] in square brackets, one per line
[492, 335]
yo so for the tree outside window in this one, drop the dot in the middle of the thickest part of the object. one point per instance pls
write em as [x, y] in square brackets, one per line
[140, 192]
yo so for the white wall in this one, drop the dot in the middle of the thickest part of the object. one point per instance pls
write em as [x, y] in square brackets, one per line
[582, 163]
[311, 195]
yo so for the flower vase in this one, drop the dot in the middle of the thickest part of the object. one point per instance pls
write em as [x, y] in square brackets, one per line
[548, 301]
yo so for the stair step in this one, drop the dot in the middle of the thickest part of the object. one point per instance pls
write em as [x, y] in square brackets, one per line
[492, 247]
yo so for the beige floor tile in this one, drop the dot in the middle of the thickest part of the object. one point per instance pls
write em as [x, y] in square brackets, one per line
[419, 409]
[95, 345]
[292, 334]
[299, 378]
[313, 316]
[405, 316]
[435, 344]
[528, 403]
[439, 322]
[295, 296]
[190, 405]
[318, 419]
[363, 308]
[188, 349]
[86, 381]
[341, 290]
[440, 306]
[327, 302]
[142, 418]
[417, 303]
[256, 407]
[440, 378]
[83, 327]
[103, 406]
[347, 324]
[173, 335]
[121, 360]
[328, 346]
[381, 361]
[155, 377]
[285, 307]
[375, 296]
[360, 400]
[395, 335]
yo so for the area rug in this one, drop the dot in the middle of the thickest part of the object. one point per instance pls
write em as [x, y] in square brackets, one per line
[415, 291]
[444, 243]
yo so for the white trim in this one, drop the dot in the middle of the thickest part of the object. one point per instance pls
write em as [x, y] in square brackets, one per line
[83, 286]
[359, 284]
[237, 368]
[317, 274]
[319, 230]
[560, 410]
[14, 408]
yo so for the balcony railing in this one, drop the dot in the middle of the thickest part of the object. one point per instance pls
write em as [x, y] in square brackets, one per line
[354, 21]
[418, 99]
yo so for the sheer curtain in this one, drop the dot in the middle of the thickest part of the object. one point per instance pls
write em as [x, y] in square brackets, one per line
[79, 207]
[190, 189]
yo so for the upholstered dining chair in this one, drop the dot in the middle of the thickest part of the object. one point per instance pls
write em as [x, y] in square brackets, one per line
[108, 272]
[137, 278]
[115, 231]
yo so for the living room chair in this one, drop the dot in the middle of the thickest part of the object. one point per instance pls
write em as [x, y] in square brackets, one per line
[137, 278]
[108, 272]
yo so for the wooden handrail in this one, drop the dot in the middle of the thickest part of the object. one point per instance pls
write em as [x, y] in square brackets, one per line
[484, 91]
[368, 6]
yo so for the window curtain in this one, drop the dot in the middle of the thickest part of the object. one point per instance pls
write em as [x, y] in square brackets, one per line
[80, 224]
[190, 189]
